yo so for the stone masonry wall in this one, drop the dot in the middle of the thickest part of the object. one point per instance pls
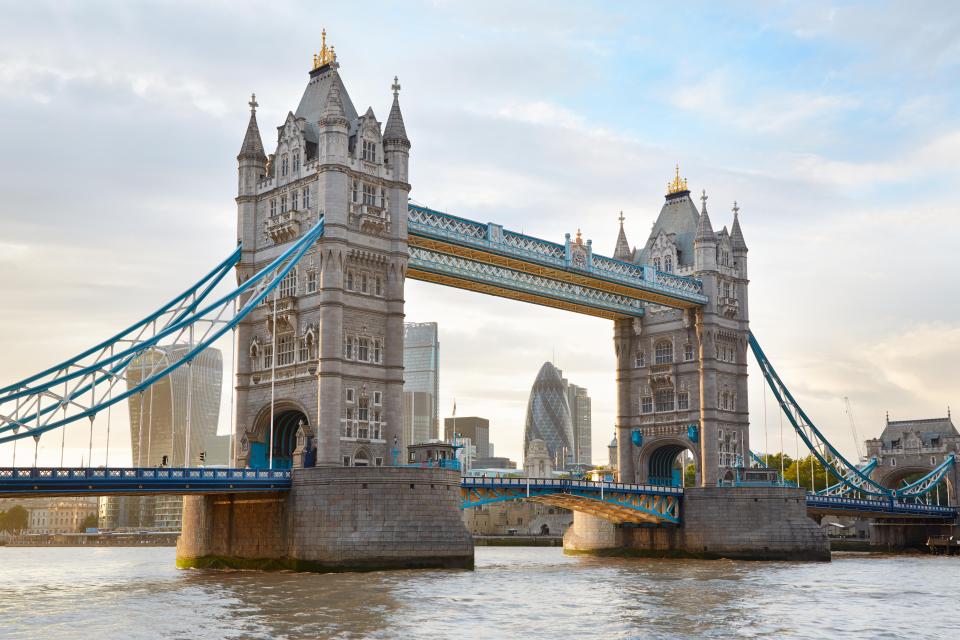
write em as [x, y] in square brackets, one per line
[351, 518]
[760, 523]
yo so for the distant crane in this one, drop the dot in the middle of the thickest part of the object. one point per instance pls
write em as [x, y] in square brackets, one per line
[853, 426]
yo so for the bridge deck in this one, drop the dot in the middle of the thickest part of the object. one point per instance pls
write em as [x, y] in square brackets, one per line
[44, 482]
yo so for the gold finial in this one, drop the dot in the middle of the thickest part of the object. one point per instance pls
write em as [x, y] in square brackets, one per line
[326, 55]
[579, 239]
[679, 184]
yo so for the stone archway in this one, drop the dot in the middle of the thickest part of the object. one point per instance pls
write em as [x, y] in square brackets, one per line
[663, 461]
[287, 417]
[893, 478]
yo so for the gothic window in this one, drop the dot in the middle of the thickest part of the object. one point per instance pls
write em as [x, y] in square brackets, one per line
[668, 264]
[664, 400]
[353, 192]
[688, 352]
[346, 461]
[351, 392]
[363, 349]
[304, 349]
[369, 195]
[268, 356]
[725, 403]
[377, 358]
[284, 165]
[306, 197]
[641, 359]
[363, 282]
[656, 264]
[296, 160]
[383, 198]
[369, 151]
[349, 279]
[273, 206]
[363, 411]
[377, 398]
[293, 200]
[311, 281]
[683, 400]
[379, 461]
[285, 350]
[646, 404]
[378, 286]
[288, 286]
[348, 348]
[283, 203]
[726, 289]
[664, 352]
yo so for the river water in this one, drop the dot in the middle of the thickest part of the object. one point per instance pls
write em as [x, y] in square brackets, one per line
[131, 593]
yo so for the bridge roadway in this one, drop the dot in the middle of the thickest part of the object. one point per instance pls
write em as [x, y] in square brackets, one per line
[622, 503]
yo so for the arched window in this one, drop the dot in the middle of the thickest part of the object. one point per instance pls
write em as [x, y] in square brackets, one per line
[296, 160]
[284, 165]
[664, 352]
[725, 401]
[656, 264]
[361, 459]
[664, 400]
[668, 264]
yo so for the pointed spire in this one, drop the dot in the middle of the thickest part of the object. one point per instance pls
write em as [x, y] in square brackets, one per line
[736, 234]
[704, 228]
[333, 112]
[395, 131]
[252, 146]
[622, 250]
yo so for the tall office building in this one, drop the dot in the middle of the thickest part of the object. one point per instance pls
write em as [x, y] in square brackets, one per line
[548, 416]
[473, 427]
[159, 425]
[421, 382]
[559, 413]
[580, 415]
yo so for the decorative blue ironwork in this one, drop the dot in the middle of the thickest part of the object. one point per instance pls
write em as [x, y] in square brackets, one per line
[428, 223]
[828, 455]
[132, 481]
[693, 433]
[474, 271]
[31, 406]
[452, 464]
[877, 508]
[610, 500]
[851, 481]
[636, 437]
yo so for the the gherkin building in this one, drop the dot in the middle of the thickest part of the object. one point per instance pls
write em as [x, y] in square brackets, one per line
[548, 416]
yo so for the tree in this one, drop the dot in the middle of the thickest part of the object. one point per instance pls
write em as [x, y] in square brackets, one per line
[799, 472]
[90, 522]
[15, 519]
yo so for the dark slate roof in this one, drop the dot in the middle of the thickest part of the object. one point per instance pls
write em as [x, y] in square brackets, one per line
[395, 130]
[315, 99]
[680, 217]
[252, 146]
[927, 428]
[736, 234]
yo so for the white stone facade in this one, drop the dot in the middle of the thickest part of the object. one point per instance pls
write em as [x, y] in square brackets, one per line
[335, 365]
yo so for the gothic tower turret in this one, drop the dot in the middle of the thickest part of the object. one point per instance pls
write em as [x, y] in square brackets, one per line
[252, 163]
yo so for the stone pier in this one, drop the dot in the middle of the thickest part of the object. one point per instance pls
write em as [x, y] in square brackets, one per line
[748, 523]
[333, 519]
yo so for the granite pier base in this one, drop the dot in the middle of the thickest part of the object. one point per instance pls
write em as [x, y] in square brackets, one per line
[747, 523]
[332, 519]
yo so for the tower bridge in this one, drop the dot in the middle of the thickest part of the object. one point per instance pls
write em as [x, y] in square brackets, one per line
[327, 236]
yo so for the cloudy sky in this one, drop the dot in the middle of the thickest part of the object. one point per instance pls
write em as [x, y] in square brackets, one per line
[834, 125]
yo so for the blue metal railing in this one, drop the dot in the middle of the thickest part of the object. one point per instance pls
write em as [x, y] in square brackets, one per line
[100, 481]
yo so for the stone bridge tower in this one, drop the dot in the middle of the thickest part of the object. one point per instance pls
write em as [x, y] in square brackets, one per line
[320, 362]
[682, 375]
[908, 448]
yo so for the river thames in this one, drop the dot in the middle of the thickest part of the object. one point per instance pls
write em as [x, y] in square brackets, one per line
[515, 592]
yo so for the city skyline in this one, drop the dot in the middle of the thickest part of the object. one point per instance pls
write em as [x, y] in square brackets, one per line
[841, 162]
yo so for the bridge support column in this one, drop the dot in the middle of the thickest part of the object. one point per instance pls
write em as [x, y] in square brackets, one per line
[627, 404]
[748, 523]
[333, 519]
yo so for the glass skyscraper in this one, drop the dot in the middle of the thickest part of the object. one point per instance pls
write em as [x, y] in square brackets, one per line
[548, 416]
[421, 382]
[581, 416]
